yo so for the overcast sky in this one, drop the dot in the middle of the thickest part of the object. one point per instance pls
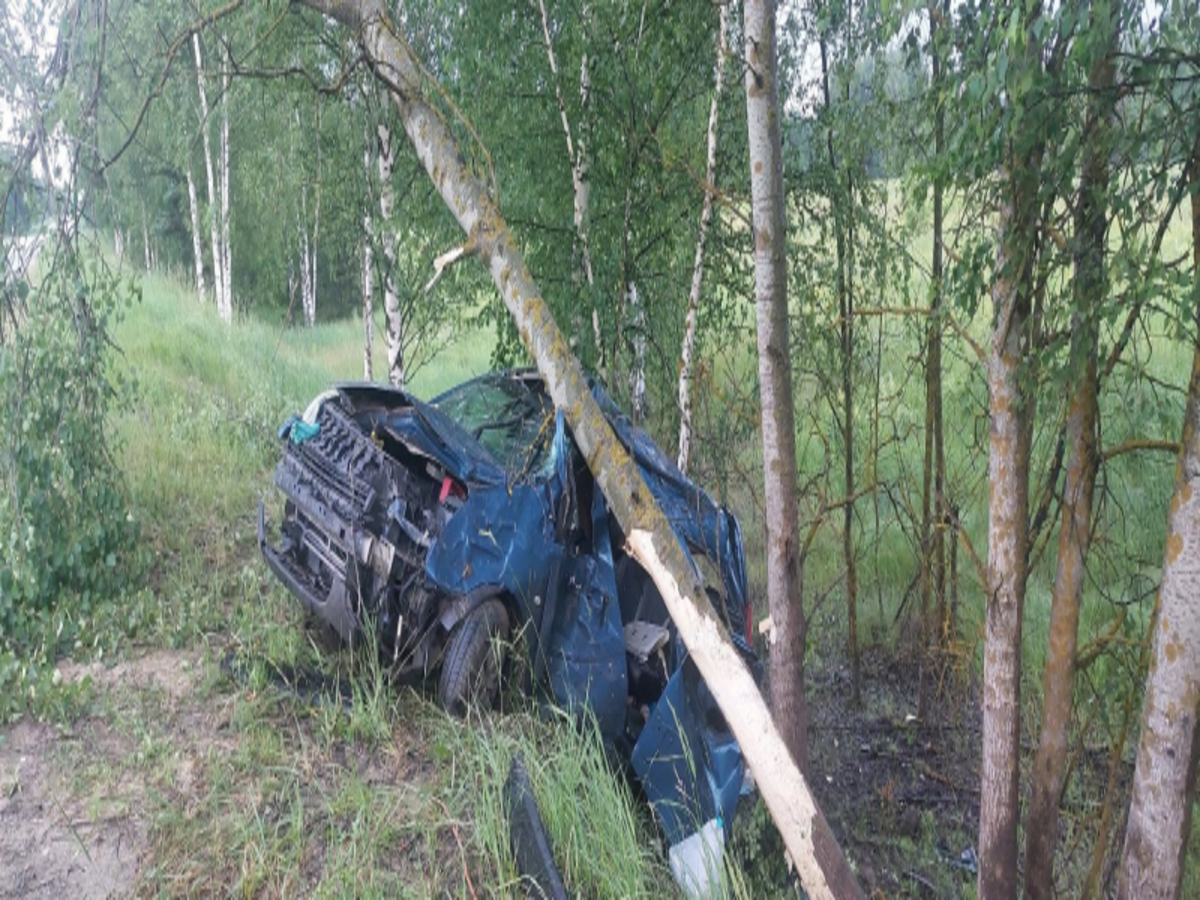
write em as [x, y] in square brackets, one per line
[28, 30]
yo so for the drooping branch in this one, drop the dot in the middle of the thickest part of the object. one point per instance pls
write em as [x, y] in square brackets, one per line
[169, 58]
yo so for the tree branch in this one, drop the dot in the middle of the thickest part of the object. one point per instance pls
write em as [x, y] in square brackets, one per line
[172, 51]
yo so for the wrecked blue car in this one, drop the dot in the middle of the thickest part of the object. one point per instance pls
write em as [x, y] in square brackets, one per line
[452, 532]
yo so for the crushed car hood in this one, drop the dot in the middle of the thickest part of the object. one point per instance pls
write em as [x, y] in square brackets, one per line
[427, 431]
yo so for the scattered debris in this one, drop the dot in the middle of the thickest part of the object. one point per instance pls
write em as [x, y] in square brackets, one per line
[967, 861]
[530, 844]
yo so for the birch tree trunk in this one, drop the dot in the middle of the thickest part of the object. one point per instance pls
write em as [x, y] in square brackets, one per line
[368, 286]
[784, 575]
[706, 212]
[394, 336]
[145, 238]
[306, 293]
[316, 229]
[1164, 779]
[368, 311]
[197, 244]
[1090, 291]
[821, 866]
[1008, 524]
[226, 246]
[217, 269]
[577, 155]
[637, 375]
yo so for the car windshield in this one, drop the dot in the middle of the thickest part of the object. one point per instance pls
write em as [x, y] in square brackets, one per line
[511, 421]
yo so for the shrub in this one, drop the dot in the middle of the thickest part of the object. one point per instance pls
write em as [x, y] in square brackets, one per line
[67, 539]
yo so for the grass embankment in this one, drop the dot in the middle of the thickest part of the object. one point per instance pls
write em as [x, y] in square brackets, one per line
[242, 788]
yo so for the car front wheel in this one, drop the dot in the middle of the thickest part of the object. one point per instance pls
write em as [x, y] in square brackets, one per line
[470, 675]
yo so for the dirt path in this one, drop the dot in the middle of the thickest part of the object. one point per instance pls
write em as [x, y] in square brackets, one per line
[49, 846]
[71, 822]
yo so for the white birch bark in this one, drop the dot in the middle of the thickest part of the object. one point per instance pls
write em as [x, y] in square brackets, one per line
[197, 242]
[637, 375]
[226, 245]
[368, 285]
[145, 239]
[394, 335]
[368, 305]
[578, 157]
[305, 250]
[706, 212]
[316, 231]
[810, 844]
[218, 280]
[1011, 414]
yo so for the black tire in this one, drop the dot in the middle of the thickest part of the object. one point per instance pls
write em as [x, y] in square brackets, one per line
[470, 677]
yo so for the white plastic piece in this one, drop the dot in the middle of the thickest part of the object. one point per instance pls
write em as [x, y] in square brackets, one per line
[310, 414]
[645, 638]
[696, 862]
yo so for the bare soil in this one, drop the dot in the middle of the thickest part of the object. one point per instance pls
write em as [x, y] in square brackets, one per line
[123, 801]
[50, 845]
[900, 793]
[72, 813]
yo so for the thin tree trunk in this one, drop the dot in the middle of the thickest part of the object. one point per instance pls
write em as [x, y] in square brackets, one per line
[302, 249]
[394, 336]
[226, 245]
[145, 238]
[706, 211]
[637, 375]
[368, 284]
[305, 262]
[316, 231]
[1011, 409]
[846, 334]
[819, 861]
[197, 244]
[784, 576]
[1164, 780]
[368, 311]
[626, 266]
[1090, 290]
[217, 268]
[935, 630]
[577, 156]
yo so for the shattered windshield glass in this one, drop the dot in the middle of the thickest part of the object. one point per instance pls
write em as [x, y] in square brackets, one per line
[510, 420]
